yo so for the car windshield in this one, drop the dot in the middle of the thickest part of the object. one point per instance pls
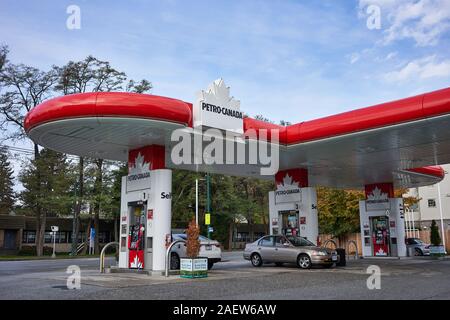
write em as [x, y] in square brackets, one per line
[418, 241]
[179, 236]
[300, 242]
[182, 236]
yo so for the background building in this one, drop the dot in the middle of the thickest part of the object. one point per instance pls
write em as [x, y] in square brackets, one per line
[418, 220]
[18, 233]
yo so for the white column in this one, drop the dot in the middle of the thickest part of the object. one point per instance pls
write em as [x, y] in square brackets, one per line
[161, 195]
[308, 209]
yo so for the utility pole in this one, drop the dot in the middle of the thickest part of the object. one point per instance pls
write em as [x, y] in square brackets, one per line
[208, 197]
[442, 217]
[196, 201]
[74, 224]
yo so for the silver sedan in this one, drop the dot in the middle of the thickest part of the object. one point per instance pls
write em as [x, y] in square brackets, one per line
[281, 249]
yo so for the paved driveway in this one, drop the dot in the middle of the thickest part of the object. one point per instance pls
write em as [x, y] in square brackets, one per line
[234, 278]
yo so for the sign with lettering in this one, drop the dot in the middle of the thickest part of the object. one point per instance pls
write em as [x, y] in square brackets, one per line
[215, 108]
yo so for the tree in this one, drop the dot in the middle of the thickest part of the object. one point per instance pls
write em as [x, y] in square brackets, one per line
[3, 56]
[115, 193]
[24, 87]
[192, 242]
[338, 211]
[7, 194]
[435, 237]
[93, 75]
[48, 185]
[140, 87]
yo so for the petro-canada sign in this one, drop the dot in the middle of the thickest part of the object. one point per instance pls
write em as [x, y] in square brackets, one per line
[215, 108]
[288, 191]
[139, 174]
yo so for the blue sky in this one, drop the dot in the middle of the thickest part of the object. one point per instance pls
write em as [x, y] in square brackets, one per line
[287, 60]
[291, 60]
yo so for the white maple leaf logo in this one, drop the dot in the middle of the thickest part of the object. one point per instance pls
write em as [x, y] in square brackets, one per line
[288, 183]
[377, 195]
[219, 94]
[136, 263]
[139, 166]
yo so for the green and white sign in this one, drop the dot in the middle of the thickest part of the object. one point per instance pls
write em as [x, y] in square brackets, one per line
[194, 268]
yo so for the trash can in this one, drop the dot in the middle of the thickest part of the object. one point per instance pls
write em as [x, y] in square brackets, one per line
[342, 260]
[411, 251]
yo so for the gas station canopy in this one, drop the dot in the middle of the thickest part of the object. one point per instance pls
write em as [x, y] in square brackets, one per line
[399, 142]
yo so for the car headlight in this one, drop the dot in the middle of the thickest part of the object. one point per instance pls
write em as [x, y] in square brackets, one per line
[320, 253]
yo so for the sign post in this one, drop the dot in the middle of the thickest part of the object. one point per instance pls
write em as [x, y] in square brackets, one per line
[54, 230]
[91, 241]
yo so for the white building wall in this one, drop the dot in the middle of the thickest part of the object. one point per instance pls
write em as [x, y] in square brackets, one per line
[428, 195]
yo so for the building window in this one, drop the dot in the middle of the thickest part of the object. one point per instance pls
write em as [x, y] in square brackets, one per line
[431, 203]
[242, 237]
[103, 237]
[29, 236]
[258, 235]
[48, 238]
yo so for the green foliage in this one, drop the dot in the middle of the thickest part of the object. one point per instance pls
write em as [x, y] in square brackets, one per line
[435, 237]
[232, 199]
[7, 195]
[338, 211]
[48, 183]
[140, 87]
[31, 251]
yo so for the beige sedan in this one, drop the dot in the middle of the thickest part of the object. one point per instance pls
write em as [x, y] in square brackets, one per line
[280, 249]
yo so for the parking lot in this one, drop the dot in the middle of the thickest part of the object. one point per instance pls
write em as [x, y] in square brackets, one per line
[234, 278]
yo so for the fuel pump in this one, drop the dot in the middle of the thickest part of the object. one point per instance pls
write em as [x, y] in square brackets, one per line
[136, 236]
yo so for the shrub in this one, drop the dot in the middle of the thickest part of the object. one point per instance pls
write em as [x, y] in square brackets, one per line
[192, 243]
[435, 237]
[31, 251]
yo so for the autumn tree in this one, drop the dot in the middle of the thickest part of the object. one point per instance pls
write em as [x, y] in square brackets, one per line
[338, 211]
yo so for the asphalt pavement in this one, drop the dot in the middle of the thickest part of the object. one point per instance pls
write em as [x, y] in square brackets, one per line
[234, 278]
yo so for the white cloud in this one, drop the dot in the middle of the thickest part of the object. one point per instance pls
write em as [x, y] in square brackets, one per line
[424, 21]
[354, 57]
[391, 55]
[420, 69]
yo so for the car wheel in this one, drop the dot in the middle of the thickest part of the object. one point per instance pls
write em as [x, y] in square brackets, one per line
[304, 261]
[174, 262]
[256, 260]
[210, 265]
[279, 264]
[418, 252]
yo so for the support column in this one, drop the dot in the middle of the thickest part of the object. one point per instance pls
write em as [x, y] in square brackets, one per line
[161, 201]
[382, 222]
[147, 187]
[293, 205]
